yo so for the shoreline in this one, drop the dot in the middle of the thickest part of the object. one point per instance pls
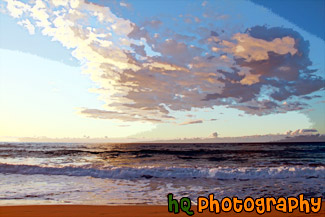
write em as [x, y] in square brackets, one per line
[125, 211]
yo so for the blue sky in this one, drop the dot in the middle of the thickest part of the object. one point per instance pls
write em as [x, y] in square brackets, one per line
[160, 70]
[305, 14]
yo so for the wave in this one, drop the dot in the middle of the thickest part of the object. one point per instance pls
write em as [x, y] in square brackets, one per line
[181, 152]
[222, 173]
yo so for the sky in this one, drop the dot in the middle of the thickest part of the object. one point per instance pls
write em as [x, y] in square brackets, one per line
[161, 70]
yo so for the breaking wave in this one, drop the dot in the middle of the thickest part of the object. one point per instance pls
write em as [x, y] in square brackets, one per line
[223, 173]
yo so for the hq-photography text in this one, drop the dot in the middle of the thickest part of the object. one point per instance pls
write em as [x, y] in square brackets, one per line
[260, 205]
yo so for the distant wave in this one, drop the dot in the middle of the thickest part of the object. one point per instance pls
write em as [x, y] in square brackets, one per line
[241, 173]
[180, 152]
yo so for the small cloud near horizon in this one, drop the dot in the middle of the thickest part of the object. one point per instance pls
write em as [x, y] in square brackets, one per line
[192, 122]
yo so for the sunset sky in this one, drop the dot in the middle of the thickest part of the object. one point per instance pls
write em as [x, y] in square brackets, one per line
[160, 69]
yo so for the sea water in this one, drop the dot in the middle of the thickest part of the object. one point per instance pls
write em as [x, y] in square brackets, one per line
[115, 174]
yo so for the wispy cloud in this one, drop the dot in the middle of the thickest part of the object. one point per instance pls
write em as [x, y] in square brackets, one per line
[192, 122]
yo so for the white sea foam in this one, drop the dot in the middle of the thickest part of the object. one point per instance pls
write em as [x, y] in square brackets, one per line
[279, 172]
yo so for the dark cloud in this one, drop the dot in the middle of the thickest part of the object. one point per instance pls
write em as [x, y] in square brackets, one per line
[287, 76]
[139, 49]
[213, 33]
[215, 135]
[272, 79]
[152, 23]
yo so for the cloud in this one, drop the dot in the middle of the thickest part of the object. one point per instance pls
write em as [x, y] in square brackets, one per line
[302, 132]
[17, 8]
[270, 70]
[254, 49]
[149, 71]
[215, 135]
[123, 4]
[139, 49]
[27, 24]
[191, 122]
[153, 23]
[104, 114]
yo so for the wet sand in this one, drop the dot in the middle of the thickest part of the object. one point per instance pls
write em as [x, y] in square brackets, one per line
[123, 211]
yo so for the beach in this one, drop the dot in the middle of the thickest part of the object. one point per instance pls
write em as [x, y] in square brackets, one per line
[122, 211]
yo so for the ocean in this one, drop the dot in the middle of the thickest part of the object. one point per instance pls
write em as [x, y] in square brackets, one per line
[123, 174]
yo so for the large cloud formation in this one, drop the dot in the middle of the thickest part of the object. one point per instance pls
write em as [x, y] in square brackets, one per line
[145, 74]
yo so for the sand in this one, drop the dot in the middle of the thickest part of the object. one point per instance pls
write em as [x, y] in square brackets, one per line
[119, 211]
